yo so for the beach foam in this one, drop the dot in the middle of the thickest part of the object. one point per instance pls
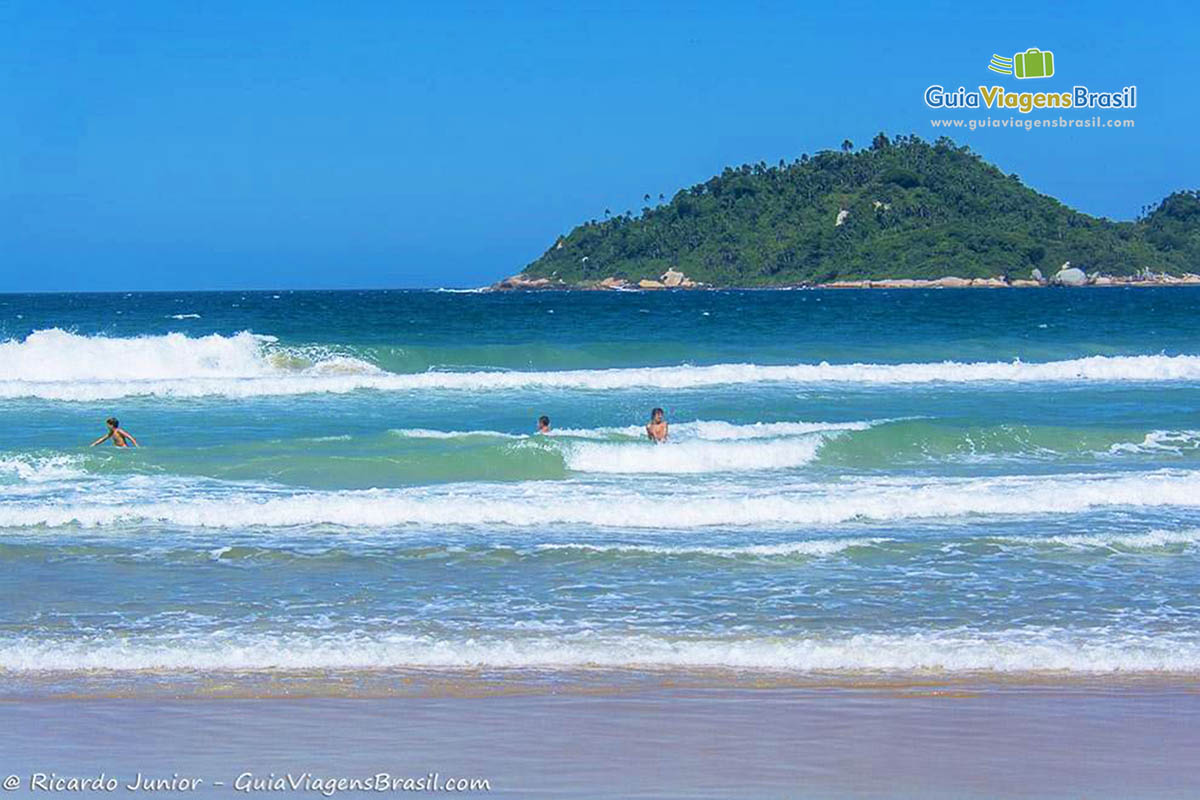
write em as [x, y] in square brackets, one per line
[1037, 650]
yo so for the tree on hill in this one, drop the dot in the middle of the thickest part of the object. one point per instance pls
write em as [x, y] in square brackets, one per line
[913, 210]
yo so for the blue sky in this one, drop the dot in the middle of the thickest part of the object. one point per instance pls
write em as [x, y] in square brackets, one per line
[189, 145]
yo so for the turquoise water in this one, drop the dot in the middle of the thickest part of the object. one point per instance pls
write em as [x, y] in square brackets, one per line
[900, 482]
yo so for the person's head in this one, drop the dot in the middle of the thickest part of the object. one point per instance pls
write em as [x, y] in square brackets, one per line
[543, 423]
[656, 415]
[112, 423]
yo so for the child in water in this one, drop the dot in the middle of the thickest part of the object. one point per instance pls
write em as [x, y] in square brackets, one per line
[543, 424]
[121, 438]
[657, 429]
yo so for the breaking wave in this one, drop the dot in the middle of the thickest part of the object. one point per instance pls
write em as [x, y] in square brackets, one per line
[534, 504]
[59, 365]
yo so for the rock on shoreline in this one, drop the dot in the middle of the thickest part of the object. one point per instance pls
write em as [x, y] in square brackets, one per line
[1068, 276]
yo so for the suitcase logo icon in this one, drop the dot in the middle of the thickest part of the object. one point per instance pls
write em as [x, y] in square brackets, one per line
[1033, 63]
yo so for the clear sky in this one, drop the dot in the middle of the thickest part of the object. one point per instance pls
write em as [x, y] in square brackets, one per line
[179, 145]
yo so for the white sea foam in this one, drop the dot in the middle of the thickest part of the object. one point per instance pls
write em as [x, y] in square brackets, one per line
[720, 430]
[695, 456]
[707, 430]
[1149, 540]
[427, 433]
[41, 469]
[672, 506]
[1161, 442]
[811, 548]
[1013, 651]
[56, 364]
[695, 447]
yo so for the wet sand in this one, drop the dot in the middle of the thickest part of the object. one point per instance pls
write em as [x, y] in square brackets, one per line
[722, 742]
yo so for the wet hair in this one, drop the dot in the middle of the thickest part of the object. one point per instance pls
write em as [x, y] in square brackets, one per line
[112, 421]
[655, 412]
[544, 420]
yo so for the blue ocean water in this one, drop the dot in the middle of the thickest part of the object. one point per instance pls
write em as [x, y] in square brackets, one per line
[884, 481]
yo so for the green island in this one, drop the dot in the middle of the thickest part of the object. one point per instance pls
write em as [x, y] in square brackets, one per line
[902, 212]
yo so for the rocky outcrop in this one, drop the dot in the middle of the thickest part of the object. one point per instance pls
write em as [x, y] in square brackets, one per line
[841, 217]
[1070, 276]
[1066, 276]
[522, 281]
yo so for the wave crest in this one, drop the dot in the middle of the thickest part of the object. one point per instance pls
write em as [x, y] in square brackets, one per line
[59, 365]
[535, 504]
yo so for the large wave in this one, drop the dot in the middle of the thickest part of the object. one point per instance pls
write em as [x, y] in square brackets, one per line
[59, 365]
[671, 507]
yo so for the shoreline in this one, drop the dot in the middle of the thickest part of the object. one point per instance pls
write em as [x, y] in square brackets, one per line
[484, 682]
[518, 283]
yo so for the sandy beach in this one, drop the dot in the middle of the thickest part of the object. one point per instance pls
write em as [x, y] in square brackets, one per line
[904, 741]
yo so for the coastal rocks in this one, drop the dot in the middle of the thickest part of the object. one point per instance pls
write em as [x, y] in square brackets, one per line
[1037, 275]
[1070, 276]
[949, 282]
[671, 279]
[522, 281]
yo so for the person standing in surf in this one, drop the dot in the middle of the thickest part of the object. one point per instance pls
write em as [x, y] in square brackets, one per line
[120, 437]
[656, 430]
[543, 424]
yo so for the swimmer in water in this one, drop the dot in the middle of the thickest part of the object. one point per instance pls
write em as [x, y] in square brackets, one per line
[121, 438]
[543, 424]
[657, 429]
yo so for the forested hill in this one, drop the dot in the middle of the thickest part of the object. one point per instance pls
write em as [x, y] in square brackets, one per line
[902, 208]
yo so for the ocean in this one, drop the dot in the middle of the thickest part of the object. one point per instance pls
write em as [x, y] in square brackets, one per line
[345, 489]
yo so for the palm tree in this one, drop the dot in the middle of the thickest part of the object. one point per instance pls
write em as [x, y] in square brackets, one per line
[847, 145]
